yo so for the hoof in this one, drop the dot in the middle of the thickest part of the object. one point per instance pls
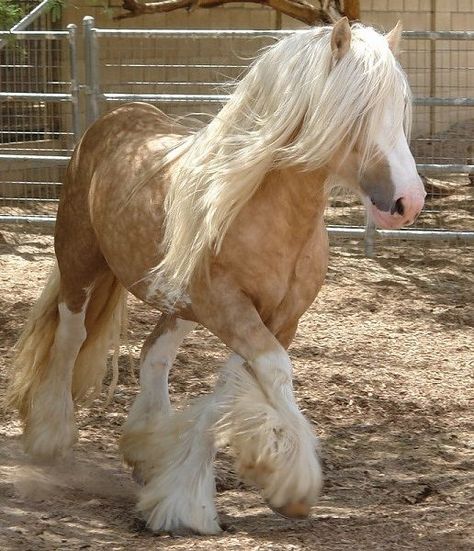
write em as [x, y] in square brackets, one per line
[186, 532]
[293, 510]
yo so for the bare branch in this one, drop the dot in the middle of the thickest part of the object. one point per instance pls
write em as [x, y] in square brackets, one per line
[301, 10]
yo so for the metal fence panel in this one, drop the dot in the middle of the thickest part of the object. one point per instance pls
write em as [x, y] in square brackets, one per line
[186, 72]
[39, 119]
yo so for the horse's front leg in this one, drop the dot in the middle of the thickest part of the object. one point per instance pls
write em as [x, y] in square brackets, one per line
[171, 451]
[258, 414]
[274, 444]
[152, 405]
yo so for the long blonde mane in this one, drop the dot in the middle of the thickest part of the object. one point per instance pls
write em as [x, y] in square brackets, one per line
[295, 107]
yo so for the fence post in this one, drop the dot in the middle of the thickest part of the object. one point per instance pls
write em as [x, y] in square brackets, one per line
[76, 122]
[92, 73]
[369, 239]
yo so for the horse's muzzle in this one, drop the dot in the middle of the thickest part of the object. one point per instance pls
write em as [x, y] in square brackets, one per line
[403, 212]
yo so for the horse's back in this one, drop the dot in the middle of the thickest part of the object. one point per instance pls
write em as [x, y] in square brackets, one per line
[118, 144]
[126, 135]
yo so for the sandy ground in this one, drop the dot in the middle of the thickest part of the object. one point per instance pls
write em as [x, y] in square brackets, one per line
[383, 368]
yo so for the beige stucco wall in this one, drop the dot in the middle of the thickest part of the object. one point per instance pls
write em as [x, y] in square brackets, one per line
[454, 15]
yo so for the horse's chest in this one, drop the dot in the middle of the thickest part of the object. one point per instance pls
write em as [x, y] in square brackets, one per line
[284, 280]
[309, 271]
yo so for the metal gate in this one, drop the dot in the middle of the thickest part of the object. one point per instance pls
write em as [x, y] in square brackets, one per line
[40, 120]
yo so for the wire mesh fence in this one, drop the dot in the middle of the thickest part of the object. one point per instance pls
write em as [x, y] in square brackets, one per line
[186, 73]
[38, 112]
[36, 121]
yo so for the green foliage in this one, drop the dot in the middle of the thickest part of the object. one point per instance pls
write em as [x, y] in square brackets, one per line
[55, 7]
[10, 13]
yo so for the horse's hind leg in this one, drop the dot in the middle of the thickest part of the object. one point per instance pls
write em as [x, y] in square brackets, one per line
[83, 316]
[152, 403]
[68, 329]
[49, 429]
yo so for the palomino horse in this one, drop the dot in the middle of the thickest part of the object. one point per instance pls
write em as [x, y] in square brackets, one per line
[224, 227]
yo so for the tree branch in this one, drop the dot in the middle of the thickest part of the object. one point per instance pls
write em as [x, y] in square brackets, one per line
[301, 10]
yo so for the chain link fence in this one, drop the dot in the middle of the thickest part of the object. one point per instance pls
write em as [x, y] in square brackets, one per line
[187, 74]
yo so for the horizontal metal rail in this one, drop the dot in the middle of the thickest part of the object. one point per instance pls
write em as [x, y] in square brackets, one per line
[19, 152]
[179, 65]
[63, 160]
[52, 159]
[53, 96]
[23, 200]
[34, 35]
[179, 98]
[336, 231]
[445, 169]
[167, 98]
[440, 102]
[210, 33]
[34, 133]
[4, 218]
[438, 35]
[420, 235]
[191, 33]
[27, 183]
[221, 98]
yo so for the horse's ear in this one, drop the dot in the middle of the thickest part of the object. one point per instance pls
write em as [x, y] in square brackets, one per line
[340, 38]
[394, 38]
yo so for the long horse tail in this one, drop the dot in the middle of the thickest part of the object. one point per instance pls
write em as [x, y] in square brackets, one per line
[34, 346]
[106, 322]
[105, 318]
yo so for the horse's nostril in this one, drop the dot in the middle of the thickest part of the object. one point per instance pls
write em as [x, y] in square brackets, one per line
[398, 207]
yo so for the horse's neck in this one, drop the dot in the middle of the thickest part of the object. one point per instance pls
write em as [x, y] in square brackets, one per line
[298, 197]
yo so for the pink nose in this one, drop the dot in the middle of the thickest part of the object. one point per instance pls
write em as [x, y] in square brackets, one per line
[408, 208]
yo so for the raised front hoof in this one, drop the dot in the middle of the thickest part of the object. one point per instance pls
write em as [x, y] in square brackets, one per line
[135, 448]
[139, 473]
[297, 510]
